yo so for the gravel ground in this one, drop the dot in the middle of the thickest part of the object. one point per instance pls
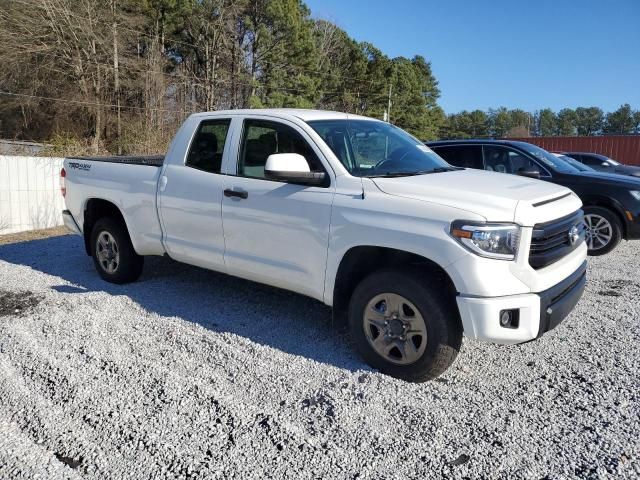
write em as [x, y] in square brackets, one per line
[191, 374]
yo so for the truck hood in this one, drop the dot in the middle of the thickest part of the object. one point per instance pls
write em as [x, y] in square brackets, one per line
[497, 197]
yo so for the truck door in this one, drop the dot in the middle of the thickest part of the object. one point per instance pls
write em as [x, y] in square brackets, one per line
[190, 198]
[276, 232]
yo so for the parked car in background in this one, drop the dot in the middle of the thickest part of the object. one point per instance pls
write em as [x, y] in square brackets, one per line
[351, 211]
[611, 202]
[572, 161]
[602, 163]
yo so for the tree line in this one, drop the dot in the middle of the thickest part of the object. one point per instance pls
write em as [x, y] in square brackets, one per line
[503, 122]
[120, 75]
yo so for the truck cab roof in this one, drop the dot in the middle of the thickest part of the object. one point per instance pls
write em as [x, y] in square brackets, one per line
[300, 113]
[476, 141]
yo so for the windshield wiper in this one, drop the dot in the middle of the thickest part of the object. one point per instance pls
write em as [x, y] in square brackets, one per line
[412, 174]
[394, 174]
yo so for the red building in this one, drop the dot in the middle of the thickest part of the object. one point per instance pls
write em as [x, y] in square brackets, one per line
[624, 148]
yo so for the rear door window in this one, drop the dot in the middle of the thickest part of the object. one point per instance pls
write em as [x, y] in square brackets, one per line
[205, 152]
[467, 156]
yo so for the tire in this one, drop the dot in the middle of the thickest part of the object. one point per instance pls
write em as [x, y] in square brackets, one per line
[113, 255]
[442, 327]
[610, 230]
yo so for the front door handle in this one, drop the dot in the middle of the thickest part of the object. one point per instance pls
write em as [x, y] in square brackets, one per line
[235, 193]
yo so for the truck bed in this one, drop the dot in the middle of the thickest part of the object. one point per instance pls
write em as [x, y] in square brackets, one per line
[128, 183]
[150, 160]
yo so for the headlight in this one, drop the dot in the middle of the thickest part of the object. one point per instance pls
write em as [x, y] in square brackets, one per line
[497, 240]
[635, 194]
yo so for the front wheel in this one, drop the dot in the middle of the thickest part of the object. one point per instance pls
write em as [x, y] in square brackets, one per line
[603, 230]
[403, 327]
[113, 255]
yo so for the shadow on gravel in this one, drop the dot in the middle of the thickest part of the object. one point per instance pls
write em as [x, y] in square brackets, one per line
[280, 319]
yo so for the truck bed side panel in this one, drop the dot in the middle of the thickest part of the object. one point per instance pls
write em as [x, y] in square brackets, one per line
[131, 187]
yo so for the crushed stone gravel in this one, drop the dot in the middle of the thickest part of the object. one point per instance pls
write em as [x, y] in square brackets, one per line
[192, 374]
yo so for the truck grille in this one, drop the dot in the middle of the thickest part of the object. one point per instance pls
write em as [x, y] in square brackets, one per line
[553, 240]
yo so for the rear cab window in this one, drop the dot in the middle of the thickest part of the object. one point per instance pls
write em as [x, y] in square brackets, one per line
[207, 146]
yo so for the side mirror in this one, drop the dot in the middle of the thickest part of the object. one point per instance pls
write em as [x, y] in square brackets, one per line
[605, 164]
[531, 172]
[292, 168]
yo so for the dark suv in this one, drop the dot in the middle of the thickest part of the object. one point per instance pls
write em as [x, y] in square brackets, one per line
[611, 202]
[602, 163]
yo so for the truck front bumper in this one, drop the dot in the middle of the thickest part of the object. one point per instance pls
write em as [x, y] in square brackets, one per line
[532, 314]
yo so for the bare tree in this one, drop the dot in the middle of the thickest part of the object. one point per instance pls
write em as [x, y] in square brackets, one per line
[66, 39]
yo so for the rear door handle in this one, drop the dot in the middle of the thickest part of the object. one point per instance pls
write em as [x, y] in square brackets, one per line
[235, 193]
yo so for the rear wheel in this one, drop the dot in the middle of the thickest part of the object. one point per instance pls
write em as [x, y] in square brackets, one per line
[403, 327]
[113, 255]
[603, 230]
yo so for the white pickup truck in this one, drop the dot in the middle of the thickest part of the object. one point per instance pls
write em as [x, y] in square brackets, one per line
[411, 252]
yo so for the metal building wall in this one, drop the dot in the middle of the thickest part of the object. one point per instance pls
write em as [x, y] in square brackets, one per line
[624, 148]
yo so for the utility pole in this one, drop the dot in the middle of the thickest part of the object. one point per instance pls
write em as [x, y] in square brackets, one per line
[389, 105]
[116, 75]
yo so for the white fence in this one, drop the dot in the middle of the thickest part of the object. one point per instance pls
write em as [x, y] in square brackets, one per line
[30, 195]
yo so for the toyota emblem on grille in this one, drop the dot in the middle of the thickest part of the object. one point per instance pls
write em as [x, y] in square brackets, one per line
[574, 235]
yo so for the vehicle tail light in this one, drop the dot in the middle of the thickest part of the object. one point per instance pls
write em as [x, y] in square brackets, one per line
[63, 188]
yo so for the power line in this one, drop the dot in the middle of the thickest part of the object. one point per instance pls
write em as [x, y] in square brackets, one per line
[195, 78]
[93, 104]
[90, 104]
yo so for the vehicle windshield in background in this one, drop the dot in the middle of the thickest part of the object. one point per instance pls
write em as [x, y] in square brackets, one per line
[549, 160]
[368, 148]
[576, 164]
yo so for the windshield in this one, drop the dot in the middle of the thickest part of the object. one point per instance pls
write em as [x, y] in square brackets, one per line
[576, 164]
[548, 159]
[369, 148]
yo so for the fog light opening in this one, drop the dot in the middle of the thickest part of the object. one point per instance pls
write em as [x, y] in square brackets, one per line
[509, 318]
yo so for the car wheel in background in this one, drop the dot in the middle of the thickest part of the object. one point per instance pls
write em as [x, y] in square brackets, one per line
[603, 230]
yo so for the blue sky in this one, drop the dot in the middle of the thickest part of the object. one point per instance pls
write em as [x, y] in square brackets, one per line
[519, 54]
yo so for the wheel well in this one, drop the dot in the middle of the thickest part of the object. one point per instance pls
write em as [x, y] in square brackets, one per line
[604, 203]
[359, 262]
[96, 209]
